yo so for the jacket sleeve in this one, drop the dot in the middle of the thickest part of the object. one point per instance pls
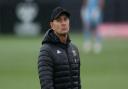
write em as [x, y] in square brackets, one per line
[77, 50]
[79, 65]
[79, 68]
[45, 69]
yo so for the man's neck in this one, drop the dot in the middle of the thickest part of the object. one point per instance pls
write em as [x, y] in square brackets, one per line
[62, 37]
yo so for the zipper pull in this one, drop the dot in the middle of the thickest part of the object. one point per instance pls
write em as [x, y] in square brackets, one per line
[75, 60]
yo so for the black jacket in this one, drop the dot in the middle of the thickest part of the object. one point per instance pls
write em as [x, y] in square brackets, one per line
[58, 64]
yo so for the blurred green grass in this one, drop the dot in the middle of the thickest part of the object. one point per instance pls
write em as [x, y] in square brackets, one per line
[19, 56]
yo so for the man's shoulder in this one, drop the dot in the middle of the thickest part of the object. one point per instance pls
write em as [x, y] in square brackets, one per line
[46, 47]
[73, 46]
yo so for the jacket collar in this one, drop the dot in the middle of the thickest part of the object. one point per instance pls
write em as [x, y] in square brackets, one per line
[51, 38]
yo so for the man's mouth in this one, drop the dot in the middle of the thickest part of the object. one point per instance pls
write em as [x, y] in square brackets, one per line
[64, 28]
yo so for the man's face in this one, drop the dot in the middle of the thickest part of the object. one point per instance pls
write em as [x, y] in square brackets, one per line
[60, 25]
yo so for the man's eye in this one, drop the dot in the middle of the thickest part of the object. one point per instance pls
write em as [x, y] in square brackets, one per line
[65, 19]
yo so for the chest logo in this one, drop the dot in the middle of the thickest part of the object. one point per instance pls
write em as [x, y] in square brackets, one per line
[58, 51]
[74, 52]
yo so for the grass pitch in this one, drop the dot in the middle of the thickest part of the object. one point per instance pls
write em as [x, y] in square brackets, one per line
[107, 70]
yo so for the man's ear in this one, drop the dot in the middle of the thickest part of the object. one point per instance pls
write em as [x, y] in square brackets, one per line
[51, 25]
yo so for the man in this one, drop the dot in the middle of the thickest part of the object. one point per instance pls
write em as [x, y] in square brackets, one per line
[59, 62]
[91, 17]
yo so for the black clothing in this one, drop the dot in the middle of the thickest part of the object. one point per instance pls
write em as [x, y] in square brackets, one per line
[58, 64]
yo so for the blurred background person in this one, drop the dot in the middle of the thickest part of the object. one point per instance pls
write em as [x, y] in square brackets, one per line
[91, 13]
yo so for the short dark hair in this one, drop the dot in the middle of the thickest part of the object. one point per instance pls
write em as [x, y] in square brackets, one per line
[58, 11]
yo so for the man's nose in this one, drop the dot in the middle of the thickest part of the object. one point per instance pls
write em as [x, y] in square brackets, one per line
[63, 23]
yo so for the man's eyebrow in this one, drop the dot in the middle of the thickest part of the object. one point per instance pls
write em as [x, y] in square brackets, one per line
[57, 18]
